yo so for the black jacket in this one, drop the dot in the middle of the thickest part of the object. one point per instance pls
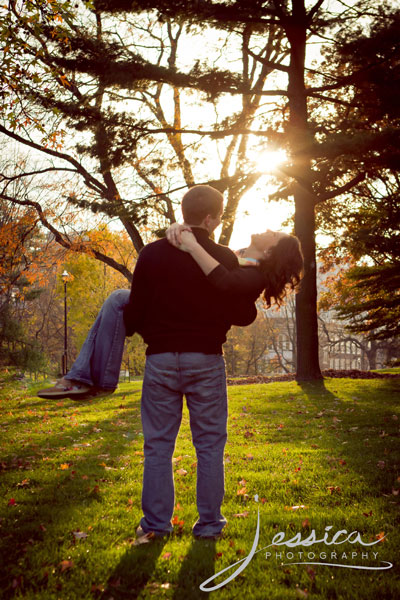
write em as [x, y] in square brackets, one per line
[175, 308]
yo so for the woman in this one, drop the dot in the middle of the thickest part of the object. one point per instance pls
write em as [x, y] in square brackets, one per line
[273, 263]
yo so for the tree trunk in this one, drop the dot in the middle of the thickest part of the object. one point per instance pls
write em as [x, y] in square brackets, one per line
[299, 137]
[371, 354]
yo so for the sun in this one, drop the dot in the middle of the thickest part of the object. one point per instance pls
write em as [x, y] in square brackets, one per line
[268, 160]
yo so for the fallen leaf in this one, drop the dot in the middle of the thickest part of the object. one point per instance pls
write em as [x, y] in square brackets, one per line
[242, 491]
[381, 464]
[11, 502]
[64, 466]
[244, 514]
[24, 483]
[181, 472]
[380, 536]
[167, 555]
[66, 564]
[177, 459]
[311, 573]
[79, 535]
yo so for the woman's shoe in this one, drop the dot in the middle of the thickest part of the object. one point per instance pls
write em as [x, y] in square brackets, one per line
[65, 388]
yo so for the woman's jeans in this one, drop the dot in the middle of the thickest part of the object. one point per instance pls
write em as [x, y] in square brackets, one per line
[99, 360]
[168, 377]
[201, 378]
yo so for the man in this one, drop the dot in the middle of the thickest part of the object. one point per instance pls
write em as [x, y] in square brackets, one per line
[183, 320]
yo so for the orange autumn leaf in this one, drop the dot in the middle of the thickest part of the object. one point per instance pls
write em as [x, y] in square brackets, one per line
[380, 536]
[242, 491]
[66, 564]
[64, 466]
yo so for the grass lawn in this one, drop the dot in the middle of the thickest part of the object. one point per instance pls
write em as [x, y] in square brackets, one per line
[317, 456]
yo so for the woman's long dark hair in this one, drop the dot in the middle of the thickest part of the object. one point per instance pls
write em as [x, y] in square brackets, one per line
[282, 269]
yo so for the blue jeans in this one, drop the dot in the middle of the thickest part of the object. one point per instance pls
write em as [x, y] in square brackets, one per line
[99, 360]
[201, 378]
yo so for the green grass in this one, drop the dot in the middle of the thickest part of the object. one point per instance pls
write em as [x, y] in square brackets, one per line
[70, 468]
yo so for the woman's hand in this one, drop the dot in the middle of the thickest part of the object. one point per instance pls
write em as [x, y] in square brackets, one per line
[189, 242]
[174, 232]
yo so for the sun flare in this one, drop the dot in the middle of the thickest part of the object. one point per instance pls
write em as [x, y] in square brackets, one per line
[269, 160]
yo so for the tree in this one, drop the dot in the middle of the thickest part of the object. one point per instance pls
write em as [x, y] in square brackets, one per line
[368, 293]
[87, 66]
[308, 185]
[245, 348]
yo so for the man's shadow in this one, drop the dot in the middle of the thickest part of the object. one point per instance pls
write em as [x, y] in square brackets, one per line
[134, 570]
[197, 566]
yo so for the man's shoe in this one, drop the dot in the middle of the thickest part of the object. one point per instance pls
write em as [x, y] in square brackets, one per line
[65, 388]
[217, 536]
[143, 537]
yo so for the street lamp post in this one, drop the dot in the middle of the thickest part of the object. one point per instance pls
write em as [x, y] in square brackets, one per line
[65, 277]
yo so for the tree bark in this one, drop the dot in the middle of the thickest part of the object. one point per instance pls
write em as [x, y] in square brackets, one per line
[299, 136]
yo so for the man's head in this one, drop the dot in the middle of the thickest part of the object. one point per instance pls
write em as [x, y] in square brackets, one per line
[202, 206]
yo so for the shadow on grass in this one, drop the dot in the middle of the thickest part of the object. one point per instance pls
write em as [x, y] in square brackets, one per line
[134, 571]
[52, 494]
[197, 566]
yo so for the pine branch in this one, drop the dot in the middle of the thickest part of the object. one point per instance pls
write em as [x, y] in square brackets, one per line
[343, 189]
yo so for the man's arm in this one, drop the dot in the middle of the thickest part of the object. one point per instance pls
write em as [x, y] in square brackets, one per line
[135, 310]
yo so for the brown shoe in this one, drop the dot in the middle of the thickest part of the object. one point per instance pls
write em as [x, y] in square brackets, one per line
[65, 388]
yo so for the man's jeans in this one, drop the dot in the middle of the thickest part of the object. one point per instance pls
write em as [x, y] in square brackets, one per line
[201, 378]
[99, 360]
[168, 376]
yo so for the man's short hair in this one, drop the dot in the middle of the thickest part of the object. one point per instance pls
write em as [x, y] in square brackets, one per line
[200, 201]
